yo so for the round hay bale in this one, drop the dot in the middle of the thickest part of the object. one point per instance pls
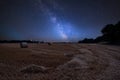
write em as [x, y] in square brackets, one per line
[23, 45]
[49, 43]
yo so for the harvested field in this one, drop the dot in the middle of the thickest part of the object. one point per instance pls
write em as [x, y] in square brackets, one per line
[59, 62]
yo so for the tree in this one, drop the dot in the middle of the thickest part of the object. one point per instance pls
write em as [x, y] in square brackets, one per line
[117, 32]
[111, 33]
[108, 32]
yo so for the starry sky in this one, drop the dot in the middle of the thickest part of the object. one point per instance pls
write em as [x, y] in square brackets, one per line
[56, 20]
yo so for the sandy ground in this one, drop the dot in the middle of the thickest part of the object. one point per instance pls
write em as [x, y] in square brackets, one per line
[60, 62]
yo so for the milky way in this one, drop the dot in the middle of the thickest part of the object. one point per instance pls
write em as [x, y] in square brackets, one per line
[51, 9]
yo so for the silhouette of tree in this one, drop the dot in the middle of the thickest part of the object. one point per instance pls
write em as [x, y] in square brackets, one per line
[111, 33]
[117, 32]
[108, 31]
[99, 39]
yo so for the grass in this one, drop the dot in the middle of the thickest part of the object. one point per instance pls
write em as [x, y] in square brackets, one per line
[13, 59]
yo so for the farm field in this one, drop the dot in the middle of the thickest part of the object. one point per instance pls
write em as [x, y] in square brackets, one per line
[59, 62]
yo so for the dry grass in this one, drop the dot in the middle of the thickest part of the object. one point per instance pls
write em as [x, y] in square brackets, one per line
[62, 62]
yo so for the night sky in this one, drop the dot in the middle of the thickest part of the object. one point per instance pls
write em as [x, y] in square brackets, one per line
[56, 20]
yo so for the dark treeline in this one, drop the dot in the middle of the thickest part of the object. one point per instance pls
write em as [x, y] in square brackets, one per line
[110, 34]
[87, 40]
[19, 41]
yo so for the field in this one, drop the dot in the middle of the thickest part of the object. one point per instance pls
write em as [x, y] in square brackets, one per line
[59, 62]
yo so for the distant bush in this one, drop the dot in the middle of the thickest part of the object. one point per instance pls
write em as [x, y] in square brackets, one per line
[86, 40]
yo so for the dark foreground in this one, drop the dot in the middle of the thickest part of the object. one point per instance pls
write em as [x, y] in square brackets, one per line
[59, 62]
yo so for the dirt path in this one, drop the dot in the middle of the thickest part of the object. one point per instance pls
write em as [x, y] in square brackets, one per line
[94, 62]
[108, 59]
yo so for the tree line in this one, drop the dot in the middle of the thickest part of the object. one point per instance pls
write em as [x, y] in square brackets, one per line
[110, 34]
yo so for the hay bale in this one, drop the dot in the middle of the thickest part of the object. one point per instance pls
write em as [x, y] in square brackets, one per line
[23, 45]
[33, 69]
[49, 43]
